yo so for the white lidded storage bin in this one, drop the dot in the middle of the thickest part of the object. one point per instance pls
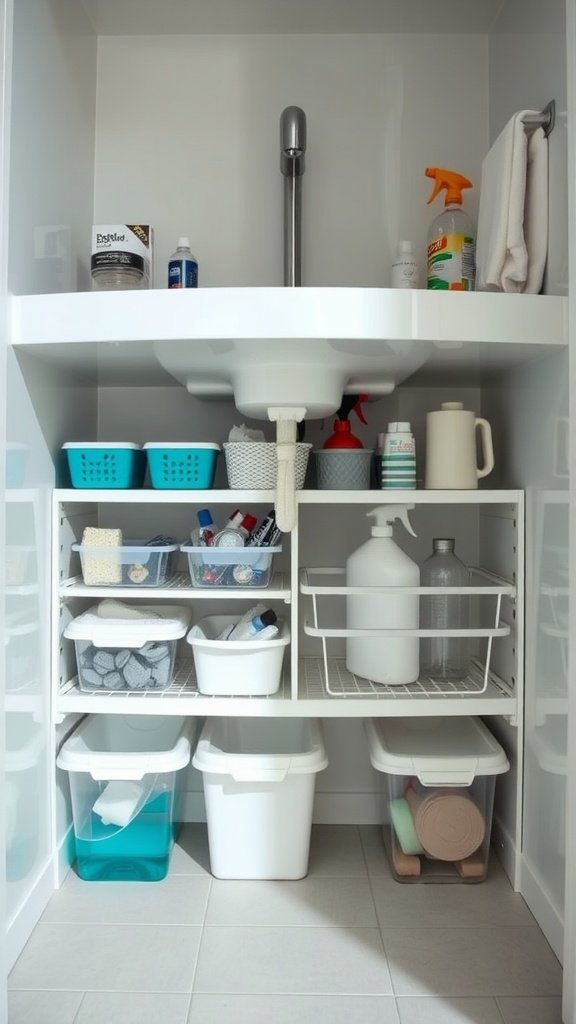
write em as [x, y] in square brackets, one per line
[236, 667]
[440, 776]
[126, 775]
[116, 652]
[259, 779]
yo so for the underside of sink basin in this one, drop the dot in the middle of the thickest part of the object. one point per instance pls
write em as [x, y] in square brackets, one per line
[286, 372]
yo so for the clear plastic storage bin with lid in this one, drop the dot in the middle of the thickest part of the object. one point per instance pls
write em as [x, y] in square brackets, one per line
[440, 777]
[120, 647]
[126, 777]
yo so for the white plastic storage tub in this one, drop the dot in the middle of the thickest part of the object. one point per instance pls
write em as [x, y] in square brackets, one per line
[116, 652]
[440, 776]
[236, 668]
[259, 779]
[126, 776]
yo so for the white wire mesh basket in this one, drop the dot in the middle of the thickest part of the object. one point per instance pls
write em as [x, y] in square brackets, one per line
[487, 585]
[252, 465]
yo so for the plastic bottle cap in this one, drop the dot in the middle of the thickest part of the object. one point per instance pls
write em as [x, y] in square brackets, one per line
[452, 405]
[204, 517]
[399, 428]
[268, 617]
[443, 544]
[183, 243]
[249, 522]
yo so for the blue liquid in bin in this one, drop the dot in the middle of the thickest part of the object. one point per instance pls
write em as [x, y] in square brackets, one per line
[140, 852]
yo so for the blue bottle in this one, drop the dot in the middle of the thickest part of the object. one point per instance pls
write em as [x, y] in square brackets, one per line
[183, 266]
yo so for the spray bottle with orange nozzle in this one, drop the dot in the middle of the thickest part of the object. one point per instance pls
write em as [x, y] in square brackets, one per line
[451, 238]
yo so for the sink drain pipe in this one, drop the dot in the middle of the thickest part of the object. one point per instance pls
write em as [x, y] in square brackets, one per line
[285, 505]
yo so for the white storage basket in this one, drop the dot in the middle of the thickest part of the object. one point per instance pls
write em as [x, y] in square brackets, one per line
[236, 668]
[253, 465]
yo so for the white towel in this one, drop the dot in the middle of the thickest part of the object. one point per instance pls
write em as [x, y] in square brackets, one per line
[119, 803]
[512, 233]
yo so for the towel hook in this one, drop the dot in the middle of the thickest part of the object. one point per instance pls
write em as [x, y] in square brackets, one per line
[546, 119]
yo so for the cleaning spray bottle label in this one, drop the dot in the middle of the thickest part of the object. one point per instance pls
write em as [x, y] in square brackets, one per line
[451, 263]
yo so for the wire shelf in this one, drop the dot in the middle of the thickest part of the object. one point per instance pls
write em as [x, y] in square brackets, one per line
[183, 685]
[343, 683]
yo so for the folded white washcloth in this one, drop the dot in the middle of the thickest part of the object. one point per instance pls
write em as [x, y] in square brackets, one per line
[110, 608]
[512, 233]
[119, 802]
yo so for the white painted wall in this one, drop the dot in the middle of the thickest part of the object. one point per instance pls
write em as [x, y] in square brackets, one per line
[527, 69]
[187, 139]
[5, 68]
[51, 161]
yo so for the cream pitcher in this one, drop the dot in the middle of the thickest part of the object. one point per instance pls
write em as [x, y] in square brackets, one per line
[451, 448]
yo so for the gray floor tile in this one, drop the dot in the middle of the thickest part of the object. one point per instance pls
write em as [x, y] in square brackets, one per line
[132, 1008]
[374, 852]
[420, 904]
[327, 961]
[117, 958]
[543, 1010]
[177, 899]
[336, 850]
[471, 962]
[248, 1009]
[43, 1007]
[190, 855]
[447, 1010]
[311, 902]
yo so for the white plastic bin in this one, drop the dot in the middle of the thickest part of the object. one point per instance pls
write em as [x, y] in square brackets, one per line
[125, 781]
[236, 667]
[440, 776]
[259, 778]
[119, 653]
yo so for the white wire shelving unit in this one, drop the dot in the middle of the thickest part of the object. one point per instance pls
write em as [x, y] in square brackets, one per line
[311, 685]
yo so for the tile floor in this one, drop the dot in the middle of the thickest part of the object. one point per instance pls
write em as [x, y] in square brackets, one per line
[346, 945]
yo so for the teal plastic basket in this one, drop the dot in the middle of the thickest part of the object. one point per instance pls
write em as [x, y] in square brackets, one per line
[109, 466]
[182, 465]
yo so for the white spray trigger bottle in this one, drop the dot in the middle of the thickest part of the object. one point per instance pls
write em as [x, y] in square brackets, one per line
[380, 562]
[385, 515]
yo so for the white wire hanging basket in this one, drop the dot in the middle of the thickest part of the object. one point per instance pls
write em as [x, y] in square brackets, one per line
[488, 585]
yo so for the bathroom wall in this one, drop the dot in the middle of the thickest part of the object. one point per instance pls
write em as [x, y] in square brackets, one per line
[54, 56]
[187, 138]
[529, 410]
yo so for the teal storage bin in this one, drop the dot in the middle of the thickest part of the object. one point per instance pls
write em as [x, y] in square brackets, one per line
[126, 774]
[182, 465]
[110, 465]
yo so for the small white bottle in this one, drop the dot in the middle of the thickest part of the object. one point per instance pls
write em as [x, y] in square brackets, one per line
[404, 267]
[183, 266]
[381, 563]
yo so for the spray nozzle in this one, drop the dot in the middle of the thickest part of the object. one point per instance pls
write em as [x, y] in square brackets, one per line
[385, 515]
[453, 182]
[352, 403]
